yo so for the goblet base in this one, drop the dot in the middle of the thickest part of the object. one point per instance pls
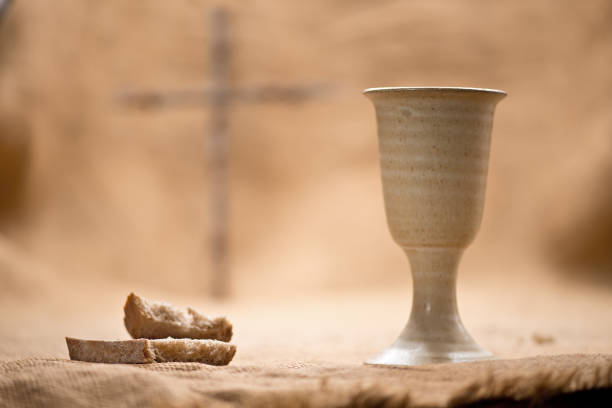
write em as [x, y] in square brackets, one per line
[403, 353]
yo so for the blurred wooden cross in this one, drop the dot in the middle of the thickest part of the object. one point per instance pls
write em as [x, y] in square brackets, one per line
[218, 96]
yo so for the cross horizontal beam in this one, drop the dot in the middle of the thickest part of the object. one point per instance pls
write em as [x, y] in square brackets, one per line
[209, 95]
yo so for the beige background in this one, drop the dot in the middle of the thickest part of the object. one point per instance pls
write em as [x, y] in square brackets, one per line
[106, 200]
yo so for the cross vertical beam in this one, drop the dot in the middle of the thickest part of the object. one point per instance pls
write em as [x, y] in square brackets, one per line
[218, 153]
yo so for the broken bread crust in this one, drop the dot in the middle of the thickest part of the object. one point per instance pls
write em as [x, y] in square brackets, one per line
[98, 351]
[143, 351]
[158, 320]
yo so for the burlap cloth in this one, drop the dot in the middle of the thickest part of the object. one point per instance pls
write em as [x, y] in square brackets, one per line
[56, 382]
[308, 351]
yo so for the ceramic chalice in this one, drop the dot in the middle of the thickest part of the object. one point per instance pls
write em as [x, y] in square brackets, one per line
[434, 154]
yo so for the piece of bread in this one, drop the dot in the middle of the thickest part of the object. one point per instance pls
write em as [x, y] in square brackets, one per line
[144, 351]
[212, 352]
[98, 351]
[158, 320]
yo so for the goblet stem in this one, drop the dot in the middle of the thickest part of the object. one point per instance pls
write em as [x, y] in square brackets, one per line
[434, 333]
[434, 313]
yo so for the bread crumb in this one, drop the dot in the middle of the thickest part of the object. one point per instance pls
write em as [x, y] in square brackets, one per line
[542, 339]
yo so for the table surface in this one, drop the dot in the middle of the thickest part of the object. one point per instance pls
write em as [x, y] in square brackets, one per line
[314, 341]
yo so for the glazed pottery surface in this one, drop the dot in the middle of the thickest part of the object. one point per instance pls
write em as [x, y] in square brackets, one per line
[434, 152]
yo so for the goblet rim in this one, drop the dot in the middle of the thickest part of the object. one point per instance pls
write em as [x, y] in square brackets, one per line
[433, 88]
